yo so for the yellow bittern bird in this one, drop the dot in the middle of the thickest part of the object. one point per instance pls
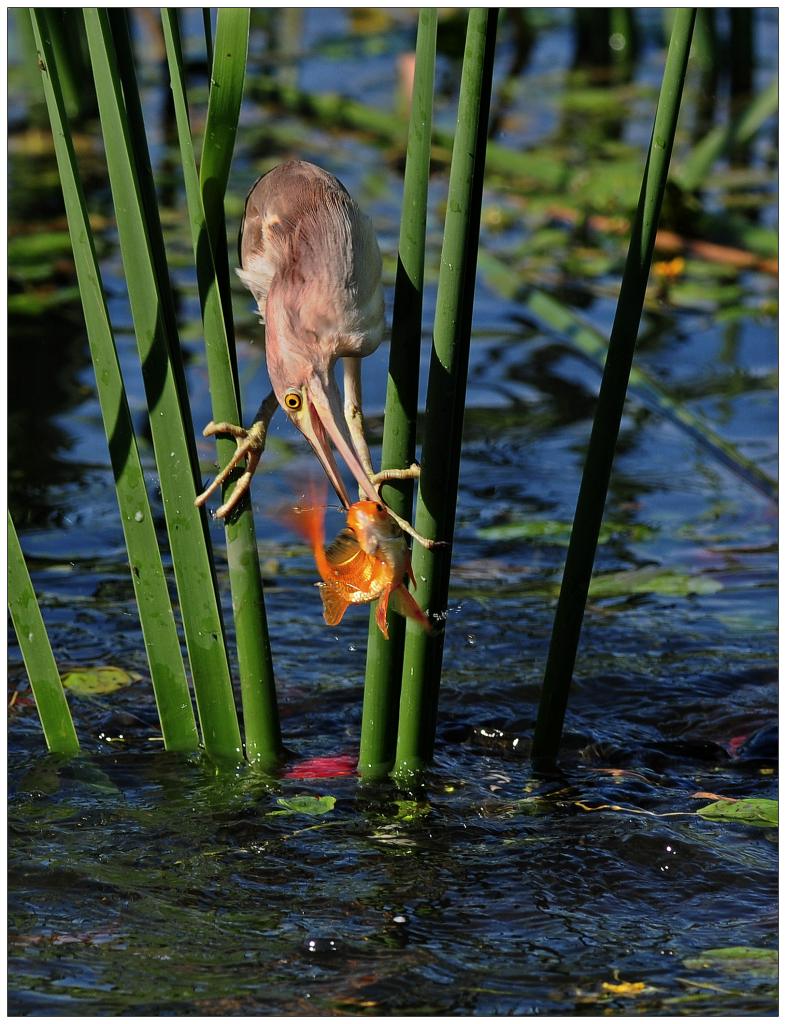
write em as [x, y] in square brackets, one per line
[310, 259]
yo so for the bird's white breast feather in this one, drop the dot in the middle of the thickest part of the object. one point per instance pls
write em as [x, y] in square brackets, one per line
[257, 278]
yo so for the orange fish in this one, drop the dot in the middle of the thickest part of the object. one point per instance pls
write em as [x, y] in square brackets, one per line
[368, 560]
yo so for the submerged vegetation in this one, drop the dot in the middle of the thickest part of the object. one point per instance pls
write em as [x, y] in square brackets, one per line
[502, 178]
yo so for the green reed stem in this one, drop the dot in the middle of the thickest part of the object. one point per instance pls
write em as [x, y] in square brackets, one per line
[228, 72]
[67, 59]
[120, 30]
[611, 399]
[147, 574]
[384, 657]
[444, 418]
[152, 308]
[257, 684]
[36, 650]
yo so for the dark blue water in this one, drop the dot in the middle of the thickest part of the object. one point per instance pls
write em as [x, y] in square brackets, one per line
[145, 883]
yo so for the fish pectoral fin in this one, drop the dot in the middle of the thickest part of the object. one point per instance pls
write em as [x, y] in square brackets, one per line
[382, 614]
[333, 604]
[344, 550]
[405, 604]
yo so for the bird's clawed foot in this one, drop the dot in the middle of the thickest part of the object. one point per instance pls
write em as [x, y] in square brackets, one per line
[412, 472]
[425, 542]
[250, 445]
[386, 475]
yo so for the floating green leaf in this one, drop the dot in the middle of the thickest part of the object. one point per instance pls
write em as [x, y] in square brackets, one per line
[558, 532]
[652, 580]
[99, 679]
[737, 960]
[37, 302]
[40, 246]
[749, 811]
[303, 803]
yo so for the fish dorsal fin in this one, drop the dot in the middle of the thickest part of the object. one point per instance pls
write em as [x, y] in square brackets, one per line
[343, 550]
[333, 604]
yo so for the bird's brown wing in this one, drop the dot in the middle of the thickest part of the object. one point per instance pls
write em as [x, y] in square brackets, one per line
[276, 204]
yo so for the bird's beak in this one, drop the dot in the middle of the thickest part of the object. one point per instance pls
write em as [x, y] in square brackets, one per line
[323, 421]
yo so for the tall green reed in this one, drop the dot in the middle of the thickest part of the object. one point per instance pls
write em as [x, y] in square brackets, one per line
[611, 399]
[144, 259]
[384, 657]
[444, 417]
[149, 292]
[161, 640]
[205, 198]
[45, 683]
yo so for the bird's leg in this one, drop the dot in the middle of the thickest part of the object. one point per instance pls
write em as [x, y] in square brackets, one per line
[425, 542]
[250, 445]
[353, 413]
[384, 476]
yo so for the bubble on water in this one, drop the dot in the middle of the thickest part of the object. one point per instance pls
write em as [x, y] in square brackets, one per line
[321, 946]
[399, 919]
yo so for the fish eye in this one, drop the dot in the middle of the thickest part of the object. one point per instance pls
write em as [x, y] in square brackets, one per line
[380, 508]
[293, 400]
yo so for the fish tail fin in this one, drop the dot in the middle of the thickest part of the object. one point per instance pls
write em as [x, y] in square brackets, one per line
[333, 604]
[308, 520]
[405, 604]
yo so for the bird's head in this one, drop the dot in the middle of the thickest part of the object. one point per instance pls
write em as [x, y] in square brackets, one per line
[300, 365]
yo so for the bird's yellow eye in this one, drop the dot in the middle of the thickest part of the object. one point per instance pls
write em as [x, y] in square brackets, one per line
[293, 400]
